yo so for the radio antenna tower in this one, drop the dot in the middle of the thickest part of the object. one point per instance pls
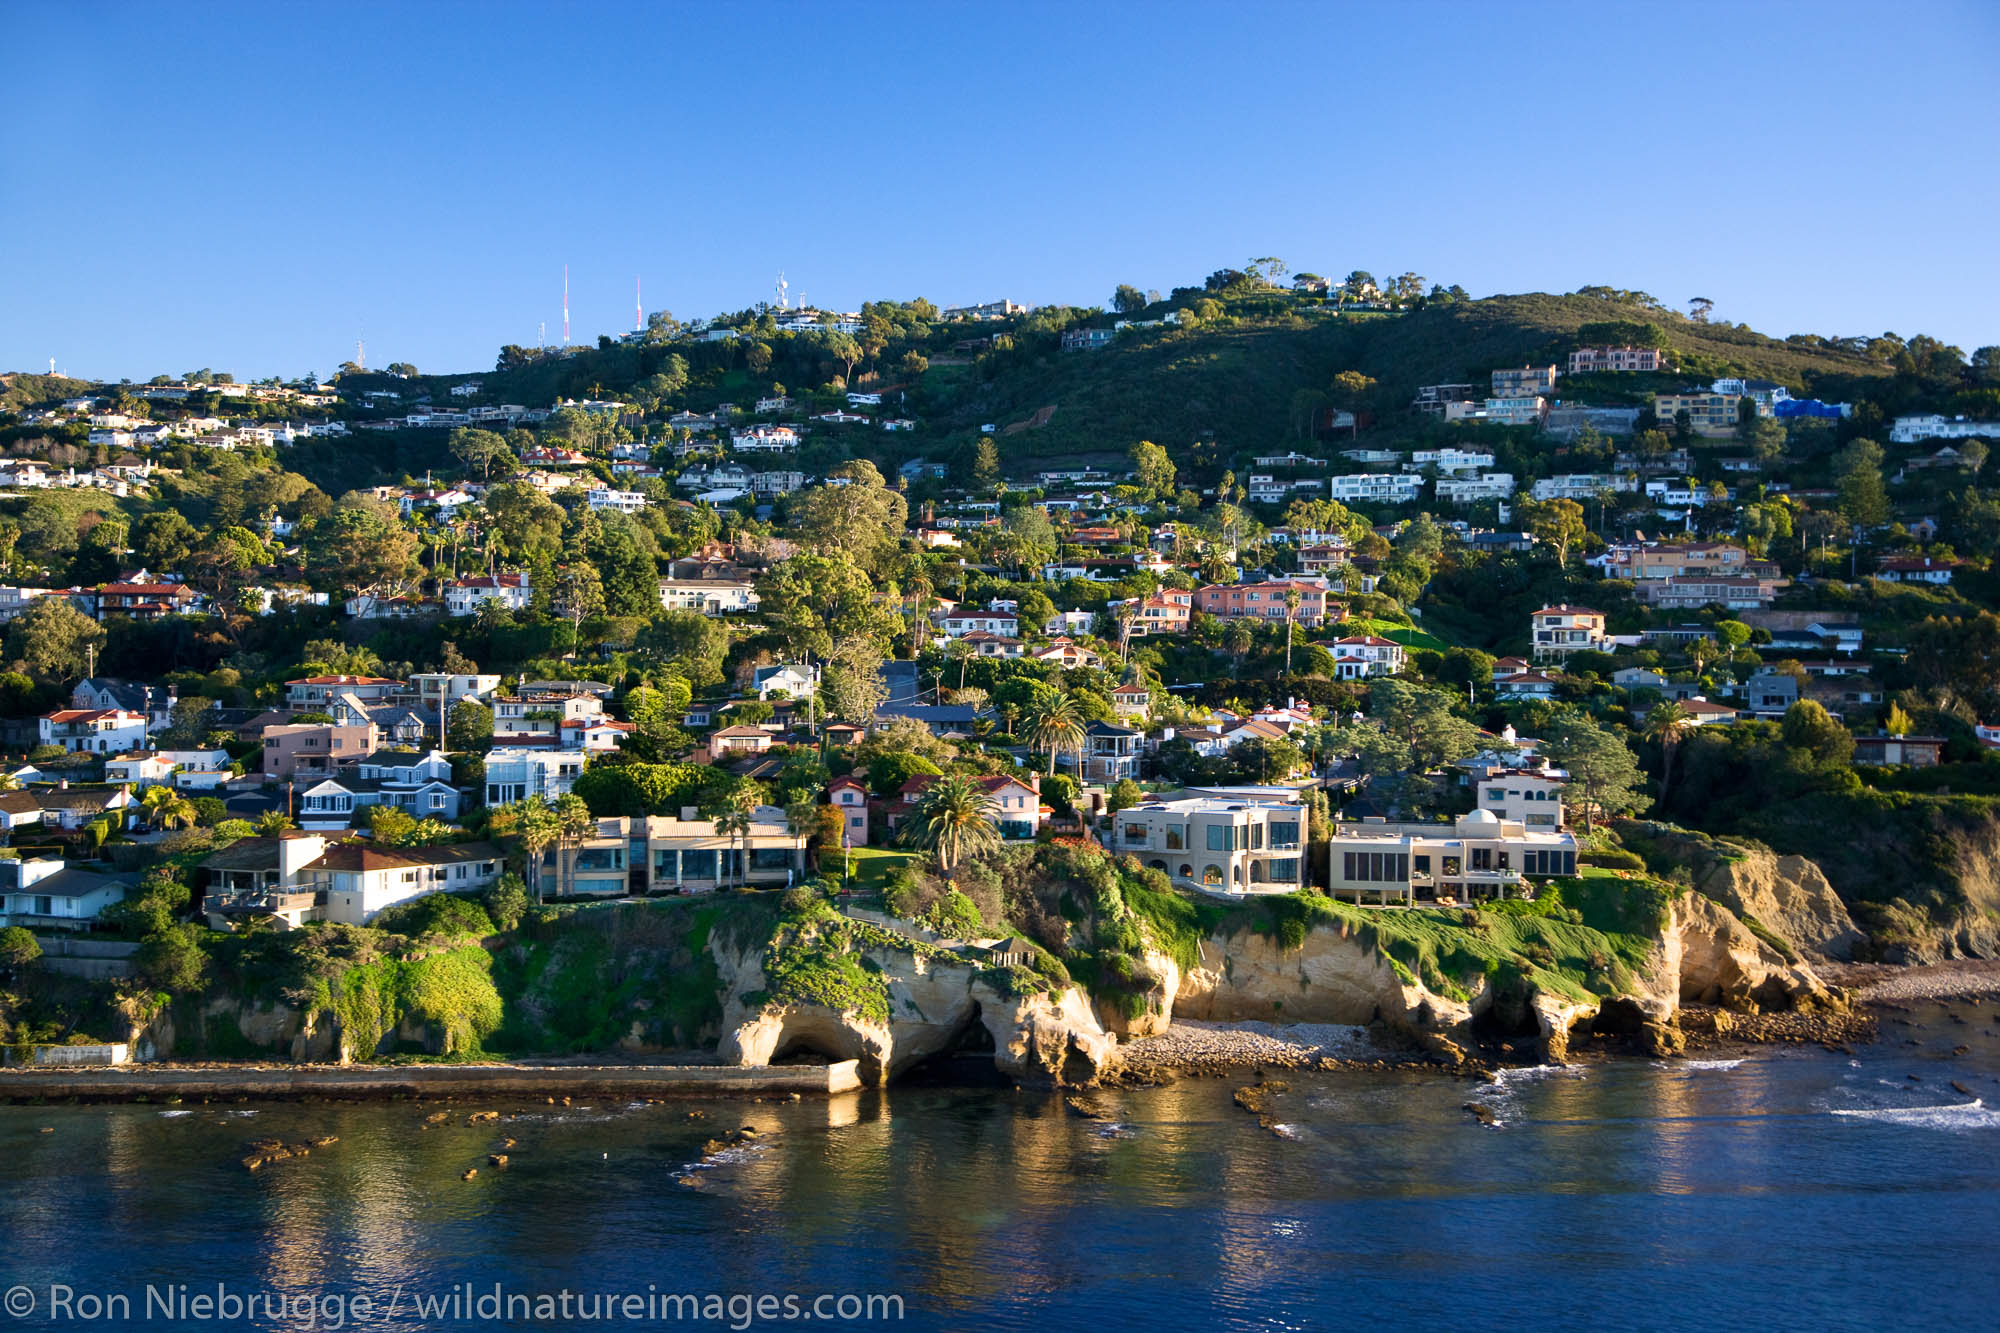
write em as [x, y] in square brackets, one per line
[565, 305]
[542, 334]
[783, 287]
[361, 353]
[638, 309]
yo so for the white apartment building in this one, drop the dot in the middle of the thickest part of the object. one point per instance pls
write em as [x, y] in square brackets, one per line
[1471, 490]
[625, 502]
[1231, 847]
[1908, 430]
[1581, 486]
[1376, 487]
[1523, 410]
[1481, 857]
[1448, 462]
[515, 773]
[711, 597]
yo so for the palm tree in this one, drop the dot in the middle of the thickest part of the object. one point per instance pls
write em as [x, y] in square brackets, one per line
[953, 819]
[574, 824]
[535, 823]
[273, 823]
[732, 824]
[177, 811]
[1668, 723]
[802, 817]
[1055, 724]
[153, 798]
[1292, 600]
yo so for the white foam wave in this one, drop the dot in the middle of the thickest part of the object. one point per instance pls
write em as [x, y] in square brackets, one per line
[1710, 1064]
[1974, 1114]
[174, 1115]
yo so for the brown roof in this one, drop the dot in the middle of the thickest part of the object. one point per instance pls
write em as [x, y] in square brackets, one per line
[368, 856]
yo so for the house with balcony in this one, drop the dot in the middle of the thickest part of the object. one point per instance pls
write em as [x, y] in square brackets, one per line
[315, 694]
[1928, 569]
[1709, 414]
[710, 597]
[464, 597]
[1360, 656]
[186, 770]
[262, 879]
[1480, 857]
[357, 880]
[310, 751]
[1614, 360]
[105, 731]
[1131, 702]
[792, 679]
[655, 854]
[1266, 601]
[959, 623]
[417, 783]
[1525, 382]
[1558, 631]
[435, 689]
[1111, 752]
[1223, 846]
[1687, 592]
[535, 717]
[516, 773]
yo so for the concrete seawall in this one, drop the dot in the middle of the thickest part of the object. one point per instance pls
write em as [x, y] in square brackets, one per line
[290, 1081]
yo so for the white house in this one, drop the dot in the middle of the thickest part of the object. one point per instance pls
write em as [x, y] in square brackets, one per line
[711, 597]
[464, 597]
[961, 623]
[189, 770]
[625, 502]
[94, 730]
[1223, 846]
[515, 774]
[796, 680]
[46, 894]
[1908, 430]
[1359, 656]
[359, 879]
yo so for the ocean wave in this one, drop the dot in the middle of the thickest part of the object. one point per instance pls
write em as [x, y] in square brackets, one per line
[174, 1115]
[1974, 1114]
[1711, 1064]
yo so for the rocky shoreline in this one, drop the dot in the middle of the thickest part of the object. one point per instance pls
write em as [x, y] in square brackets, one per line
[1195, 1048]
[1882, 983]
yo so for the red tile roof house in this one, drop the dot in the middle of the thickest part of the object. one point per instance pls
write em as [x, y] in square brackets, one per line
[849, 795]
[1915, 569]
[1018, 811]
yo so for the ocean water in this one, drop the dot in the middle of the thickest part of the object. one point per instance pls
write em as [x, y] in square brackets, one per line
[1772, 1188]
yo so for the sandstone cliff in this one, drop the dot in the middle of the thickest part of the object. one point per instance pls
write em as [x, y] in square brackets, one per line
[1786, 896]
[931, 1002]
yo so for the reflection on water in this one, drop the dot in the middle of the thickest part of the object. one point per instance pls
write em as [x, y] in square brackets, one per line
[1627, 1194]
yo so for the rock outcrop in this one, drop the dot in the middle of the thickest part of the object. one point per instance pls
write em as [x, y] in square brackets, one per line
[1714, 958]
[936, 1003]
[1787, 896]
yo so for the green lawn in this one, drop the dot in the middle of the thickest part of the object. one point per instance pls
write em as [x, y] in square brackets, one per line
[871, 866]
[1406, 635]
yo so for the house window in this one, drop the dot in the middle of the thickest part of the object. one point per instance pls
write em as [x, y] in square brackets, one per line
[1222, 837]
[1283, 870]
[1211, 874]
[1136, 832]
[1284, 833]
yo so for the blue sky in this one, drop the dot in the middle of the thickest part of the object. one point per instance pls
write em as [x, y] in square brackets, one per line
[252, 188]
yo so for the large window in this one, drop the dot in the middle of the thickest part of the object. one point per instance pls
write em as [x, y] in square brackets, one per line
[1211, 874]
[1376, 867]
[698, 864]
[1283, 870]
[771, 858]
[1136, 832]
[1284, 833]
[1549, 861]
[1222, 837]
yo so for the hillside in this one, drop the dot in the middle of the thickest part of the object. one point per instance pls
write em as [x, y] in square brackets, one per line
[1234, 380]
